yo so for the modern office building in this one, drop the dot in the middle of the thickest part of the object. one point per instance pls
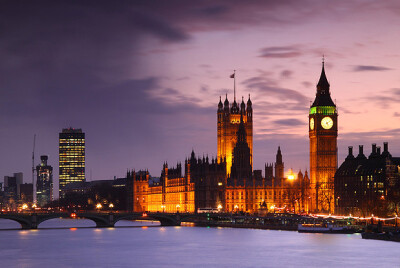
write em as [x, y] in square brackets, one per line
[26, 193]
[12, 190]
[44, 182]
[71, 157]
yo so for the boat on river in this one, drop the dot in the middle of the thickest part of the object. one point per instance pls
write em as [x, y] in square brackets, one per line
[387, 236]
[326, 228]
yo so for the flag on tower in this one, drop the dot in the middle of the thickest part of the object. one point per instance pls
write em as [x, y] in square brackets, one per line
[232, 75]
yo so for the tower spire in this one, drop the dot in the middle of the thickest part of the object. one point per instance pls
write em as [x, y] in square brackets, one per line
[323, 83]
[323, 97]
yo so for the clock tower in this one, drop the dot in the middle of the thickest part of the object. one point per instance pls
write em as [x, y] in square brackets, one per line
[323, 132]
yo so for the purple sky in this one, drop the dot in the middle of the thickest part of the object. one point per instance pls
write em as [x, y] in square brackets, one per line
[143, 79]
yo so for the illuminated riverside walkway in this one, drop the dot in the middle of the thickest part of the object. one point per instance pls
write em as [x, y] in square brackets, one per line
[108, 219]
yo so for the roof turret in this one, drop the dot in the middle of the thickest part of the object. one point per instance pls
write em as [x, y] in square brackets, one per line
[226, 102]
[220, 104]
[235, 108]
[249, 103]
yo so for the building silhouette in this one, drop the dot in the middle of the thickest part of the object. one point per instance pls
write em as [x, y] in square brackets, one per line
[12, 190]
[71, 157]
[368, 185]
[26, 193]
[44, 182]
[323, 131]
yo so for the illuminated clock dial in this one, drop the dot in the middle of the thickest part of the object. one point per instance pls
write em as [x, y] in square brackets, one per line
[312, 123]
[327, 122]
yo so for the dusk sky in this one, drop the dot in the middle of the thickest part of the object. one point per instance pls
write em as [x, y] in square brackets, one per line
[143, 78]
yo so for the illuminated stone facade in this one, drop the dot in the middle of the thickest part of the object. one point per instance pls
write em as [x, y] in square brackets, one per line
[228, 118]
[323, 131]
[174, 192]
[205, 185]
[274, 195]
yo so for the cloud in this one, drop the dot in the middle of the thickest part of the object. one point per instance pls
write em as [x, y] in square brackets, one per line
[396, 114]
[216, 10]
[155, 25]
[286, 73]
[280, 52]
[306, 84]
[386, 98]
[373, 136]
[363, 68]
[269, 87]
[290, 122]
[348, 111]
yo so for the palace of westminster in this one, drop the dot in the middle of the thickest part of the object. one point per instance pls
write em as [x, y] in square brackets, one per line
[229, 183]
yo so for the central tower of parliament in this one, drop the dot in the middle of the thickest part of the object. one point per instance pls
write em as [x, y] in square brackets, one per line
[229, 118]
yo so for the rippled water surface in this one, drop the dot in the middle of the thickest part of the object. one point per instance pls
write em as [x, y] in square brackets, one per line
[154, 246]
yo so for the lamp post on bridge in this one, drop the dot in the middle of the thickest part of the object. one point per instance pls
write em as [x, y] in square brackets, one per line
[99, 206]
[177, 208]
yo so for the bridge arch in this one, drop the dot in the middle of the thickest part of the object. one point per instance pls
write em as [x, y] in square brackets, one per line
[23, 221]
[70, 222]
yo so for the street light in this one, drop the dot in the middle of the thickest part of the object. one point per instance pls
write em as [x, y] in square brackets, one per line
[272, 208]
[24, 206]
[219, 207]
[99, 206]
[177, 208]
[163, 208]
[111, 206]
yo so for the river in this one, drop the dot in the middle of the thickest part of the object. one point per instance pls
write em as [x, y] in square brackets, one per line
[59, 243]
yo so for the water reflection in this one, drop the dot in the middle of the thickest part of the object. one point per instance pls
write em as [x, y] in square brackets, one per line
[190, 247]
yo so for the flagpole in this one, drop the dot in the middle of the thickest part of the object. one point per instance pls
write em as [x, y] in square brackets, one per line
[234, 85]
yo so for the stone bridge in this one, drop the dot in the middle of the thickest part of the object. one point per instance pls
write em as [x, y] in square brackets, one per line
[108, 219]
[32, 220]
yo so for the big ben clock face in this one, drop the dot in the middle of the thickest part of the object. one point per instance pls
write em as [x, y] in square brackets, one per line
[327, 122]
[312, 123]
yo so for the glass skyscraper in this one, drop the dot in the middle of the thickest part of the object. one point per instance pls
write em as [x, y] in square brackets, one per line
[44, 182]
[71, 157]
